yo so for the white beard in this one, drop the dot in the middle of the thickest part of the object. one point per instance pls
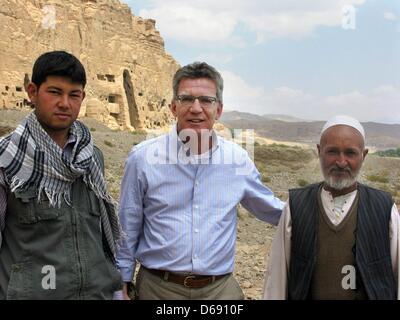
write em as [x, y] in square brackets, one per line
[340, 184]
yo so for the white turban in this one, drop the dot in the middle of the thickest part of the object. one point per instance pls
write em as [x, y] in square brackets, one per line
[344, 120]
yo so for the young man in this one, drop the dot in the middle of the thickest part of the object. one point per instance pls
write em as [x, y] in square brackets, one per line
[179, 196]
[338, 239]
[58, 224]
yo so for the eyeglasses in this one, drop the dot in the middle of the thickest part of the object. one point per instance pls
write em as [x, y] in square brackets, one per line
[188, 101]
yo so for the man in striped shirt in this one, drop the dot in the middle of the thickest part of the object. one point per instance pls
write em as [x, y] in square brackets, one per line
[179, 196]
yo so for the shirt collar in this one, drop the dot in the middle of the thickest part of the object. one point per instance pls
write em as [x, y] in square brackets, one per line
[71, 139]
[69, 146]
[344, 197]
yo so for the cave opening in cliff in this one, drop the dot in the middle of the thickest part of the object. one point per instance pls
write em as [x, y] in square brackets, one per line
[130, 97]
[110, 77]
[115, 103]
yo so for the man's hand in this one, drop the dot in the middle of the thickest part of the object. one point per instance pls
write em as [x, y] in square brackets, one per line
[125, 291]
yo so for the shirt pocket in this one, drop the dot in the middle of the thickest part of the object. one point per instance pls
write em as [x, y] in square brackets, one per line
[20, 284]
[31, 211]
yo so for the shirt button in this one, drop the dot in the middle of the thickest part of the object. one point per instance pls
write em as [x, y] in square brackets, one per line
[195, 256]
[196, 206]
[196, 230]
[196, 183]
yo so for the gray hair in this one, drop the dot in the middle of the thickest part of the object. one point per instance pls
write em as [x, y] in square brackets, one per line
[197, 70]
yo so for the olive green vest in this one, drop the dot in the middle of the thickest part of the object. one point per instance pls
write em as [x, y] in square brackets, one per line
[336, 244]
[55, 253]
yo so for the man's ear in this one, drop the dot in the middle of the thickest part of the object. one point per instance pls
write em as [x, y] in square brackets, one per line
[172, 107]
[319, 149]
[32, 91]
[365, 152]
[219, 111]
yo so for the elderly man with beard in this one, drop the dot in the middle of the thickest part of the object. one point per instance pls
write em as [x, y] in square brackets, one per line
[338, 239]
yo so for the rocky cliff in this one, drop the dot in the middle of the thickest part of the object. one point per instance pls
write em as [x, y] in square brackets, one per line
[129, 73]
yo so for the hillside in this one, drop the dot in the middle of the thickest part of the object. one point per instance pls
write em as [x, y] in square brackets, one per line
[128, 70]
[378, 135]
[389, 153]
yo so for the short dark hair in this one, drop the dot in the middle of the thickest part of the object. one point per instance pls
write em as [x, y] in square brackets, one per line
[58, 63]
[198, 70]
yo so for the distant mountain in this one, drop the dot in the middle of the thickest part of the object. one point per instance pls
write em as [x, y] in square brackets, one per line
[237, 115]
[379, 135]
[283, 117]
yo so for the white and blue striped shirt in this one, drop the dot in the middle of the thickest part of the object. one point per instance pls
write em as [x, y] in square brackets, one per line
[181, 216]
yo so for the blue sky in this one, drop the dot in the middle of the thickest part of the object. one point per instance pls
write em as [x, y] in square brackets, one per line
[305, 58]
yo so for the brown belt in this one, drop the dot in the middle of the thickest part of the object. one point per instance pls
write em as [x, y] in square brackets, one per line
[189, 281]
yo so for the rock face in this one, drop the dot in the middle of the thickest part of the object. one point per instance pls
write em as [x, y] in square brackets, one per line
[129, 73]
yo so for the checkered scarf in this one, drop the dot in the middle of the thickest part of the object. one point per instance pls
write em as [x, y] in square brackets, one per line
[29, 157]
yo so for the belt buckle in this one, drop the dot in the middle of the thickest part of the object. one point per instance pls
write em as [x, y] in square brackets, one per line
[186, 279]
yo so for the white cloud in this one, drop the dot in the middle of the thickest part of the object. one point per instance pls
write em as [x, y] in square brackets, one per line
[237, 92]
[379, 105]
[389, 16]
[191, 25]
[211, 21]
[215, 58]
